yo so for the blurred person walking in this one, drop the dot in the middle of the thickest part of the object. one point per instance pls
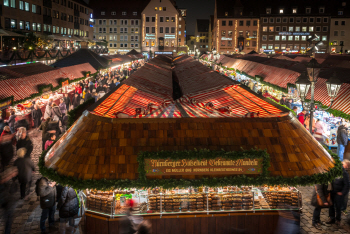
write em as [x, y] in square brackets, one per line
[25, 169]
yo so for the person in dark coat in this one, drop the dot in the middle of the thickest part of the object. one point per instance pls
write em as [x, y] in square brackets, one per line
[68, 206]
[23, 141]
[88, 95]
[44, 129]
[126, 224]
[76, 100]
[25, 169]
[11, 122]
[342, 140]
[37, 115]
[340, 186]
[99, 88]
[56, 113]
[6, 149]
[53, 127]
[67, 100]
[48, 197]
[2, 125]
[323, 191]
[283, 100]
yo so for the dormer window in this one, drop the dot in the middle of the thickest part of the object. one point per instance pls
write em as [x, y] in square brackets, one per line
[103, 13]
[134, 13]
[124, 13]
[295, 10]
[226, 13]
[321, 10]
[113, 13]
[340, 12]
[268, 11]
[308, 10]
[281, 10]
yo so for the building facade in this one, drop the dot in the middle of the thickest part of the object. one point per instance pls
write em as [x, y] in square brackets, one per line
[202, 35]
[235, 28]
[339, 41]
[286, 29]
[163, 28]
[59, 18]
[119, 24]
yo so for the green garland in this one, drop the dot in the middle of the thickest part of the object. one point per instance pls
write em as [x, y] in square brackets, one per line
[72, 115]
[143, 182]
[295, 114]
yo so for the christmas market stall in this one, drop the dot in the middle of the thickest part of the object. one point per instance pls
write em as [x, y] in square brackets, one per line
[193, 149]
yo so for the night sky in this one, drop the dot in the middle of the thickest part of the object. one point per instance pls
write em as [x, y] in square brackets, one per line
[196, 9]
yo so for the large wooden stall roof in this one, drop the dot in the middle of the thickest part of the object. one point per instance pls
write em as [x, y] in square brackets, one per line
[101, 146]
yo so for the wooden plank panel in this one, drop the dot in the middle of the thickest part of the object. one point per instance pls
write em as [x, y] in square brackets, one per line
[189, 225]
[204, 225]
[253, 221]
[102, 226]
[211, 225]
[90, 225]
[197, 225]
[113, 227]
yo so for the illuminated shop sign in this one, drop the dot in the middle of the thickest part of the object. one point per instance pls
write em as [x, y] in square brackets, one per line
[169, 36]
[163, 52]
[294, 33]
[226, 39]
[150, 36]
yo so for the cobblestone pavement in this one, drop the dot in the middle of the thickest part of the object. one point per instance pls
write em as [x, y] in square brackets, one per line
[28, 212]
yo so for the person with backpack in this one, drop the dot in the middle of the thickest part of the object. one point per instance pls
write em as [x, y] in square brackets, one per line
[56, 113]
[68, 207]
[47, 192]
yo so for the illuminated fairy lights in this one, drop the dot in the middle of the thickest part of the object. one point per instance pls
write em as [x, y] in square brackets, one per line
[155, 44]
[176, 43]
[257, 37]
[235, 34]
[217, 37]
[143, 29]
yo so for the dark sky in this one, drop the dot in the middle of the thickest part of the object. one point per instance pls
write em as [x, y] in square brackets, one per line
[196, 9]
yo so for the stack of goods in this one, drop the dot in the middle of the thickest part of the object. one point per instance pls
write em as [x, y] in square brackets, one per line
[216, 202]
[237, 201]
[143, 207]
[100, 201]
[207, 206]
[227, 201]
[176, 203]
[154, 203]
[272, 199]
[295, 199]
[168, 203]
[247, 202]
[192, 203]
[200, 202]
[184, 202]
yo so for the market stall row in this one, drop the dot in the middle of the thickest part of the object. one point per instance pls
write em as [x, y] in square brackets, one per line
[216, 150]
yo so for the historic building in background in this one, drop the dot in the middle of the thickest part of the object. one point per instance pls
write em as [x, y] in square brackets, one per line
[202, 35]
[235, 27]
[119, 24]
[339, 41]
[163, 28]
[65, 20]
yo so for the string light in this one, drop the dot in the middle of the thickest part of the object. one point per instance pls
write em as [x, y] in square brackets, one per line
[235, 34]
[143, 29]
[217, 37]
[176, 32]
[257, 37]
[156, 29]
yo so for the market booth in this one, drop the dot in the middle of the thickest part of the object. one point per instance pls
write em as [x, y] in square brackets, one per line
[212, 158]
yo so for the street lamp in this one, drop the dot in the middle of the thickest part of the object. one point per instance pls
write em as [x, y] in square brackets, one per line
[307, 81]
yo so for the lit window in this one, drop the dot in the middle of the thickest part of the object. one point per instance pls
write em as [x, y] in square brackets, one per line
[13, 3]
[297, 38]
[226, 13]
[324, 38]
[281, 11]
[26, 6]
[268, 10]
[308, 10]
[156, 8]
[6, 3]
[295, 10]
[277, 38]
[290, 38]
[13, 23]
[311, 29]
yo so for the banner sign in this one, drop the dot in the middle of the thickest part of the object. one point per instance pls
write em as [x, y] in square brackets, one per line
[5, 104]
[217, 166]
[65, 83]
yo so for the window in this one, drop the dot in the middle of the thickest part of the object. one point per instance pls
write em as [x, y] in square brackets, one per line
[342, 33]
[324, 38]
[113, 13]
[263, 46]
[153, 19]
[166, 29]
[335, 33]
[132, 45]
[304, 20]
[230, 23]
[134, 13]
[284, 29]
[223, 33]
[13, 23]
[147, 29]
[164, 8]
[13, 3]
[125, 30]
[268, 10]
[115, 30]
[26, 6]
[136, 38]
[284, 38]
[290, 38]
[277, 38]
[336, 22]
[125, 38]
[103, 12]
[255, 22]
[226, 13]
[321, 10]
[296, 38]
[247, 23]
[265, 20]
[295, 10]
[285, 20]
[298, 20]
[121, 45]
[240, 33]
[172, 19]
[277, 46]
[110, 30]
[318, 29]
[247, 33]
[110, 45]
[156, 8]
[254, 43]
[28, 25]
[312, 20]
[277, 28]
[278, 20]
[172, 29]
[160, 29]
[281, 11]
[291, 20]
[270, 37]
[229, 33]
[136, 45]
[325, 29]
[265, 29]
[161, 19]
[335, 42]
[271, 29]
[153, 29]
[340, 12]
[6, 3]
[223, 23]
[325, 20]
[308, 10]
[241, 22]
[343, 23]
[124, 13]
[147, 19]
[304, 29]
[21, 25]
[272, 20]
[264, 37]
[311, 29]
[21, 6]
[297, 29]
[166, 19]
[341, 43]
[290, 29]
[255, 33]
[318, 20]
[270, 47]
